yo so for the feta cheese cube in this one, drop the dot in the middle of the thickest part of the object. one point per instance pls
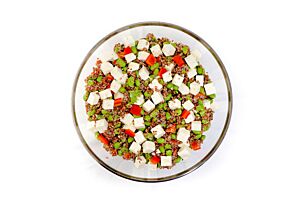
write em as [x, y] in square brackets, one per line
[148, 106]
[166, 161]
[183, 135]
[157, 98]
[130, 127]
[139, 161]
[108, 104]
[169, 67]
[133, 66]
[129, 41]
[127, 119]
[140, 100]
[155, 85]
[139, 137]
[177, 80]
[139, 123]
[157, 131]
[148, 147]
[143, 44]
[210, 89]
[108, 56]
[175, 104]
[101, 125]
[196, 53]
[190, 118]
[156, 50]
[167, 76]
[168, 49]
[144, 73]
[118, 95]
[115, 86]
[135, 148]
[192, 72]
[200, 79]
[188, 105]
[122, 79]
[143, 55]
[184, 152]
[130, 57]
[93, 98]
[184, 89]
[194, 88]
[106, 67]
[196, 126]
[116, 73]
[206, 103]
[191, 61]
[105, 94]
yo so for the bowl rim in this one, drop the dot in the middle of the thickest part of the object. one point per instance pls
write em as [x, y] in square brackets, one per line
[225, 128]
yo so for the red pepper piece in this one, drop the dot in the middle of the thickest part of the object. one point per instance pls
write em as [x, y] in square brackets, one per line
[185, 114]
[151, 60]
[103, 139]
[162, 71]
[127, 50]
[135, 110]
[195, 145]
[117, 102]
[109, 77]
[178, 60]
[129, 132]
[155, 159]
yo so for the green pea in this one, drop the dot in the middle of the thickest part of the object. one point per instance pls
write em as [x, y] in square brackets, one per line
[168, 116]
[147, 123]
[198, 136]
[104, 112]
[147, 156]
[152, 76]
[200, 106]
[212, 96]
[117, 131]
[204, 121]
[173, 44]
[175, 87]
[142, 129]
[178, 160]
[130, 139]
[120, 152]
[146, 83]
[86, 96]
[137, 83]
[173, 136]
[147, 118]
[99, 117]
[200, 70]
[90, 82]
[203, 137]
[99, 79]
[116, 49]
[206, 127]
[202, 91]
[110, 118]
[147, 94]
[202, 113]
[169, 152]
[91, 112]
[168, 97]
[197, 132]
[142, 112]
[130, 82]
[160, 106]
[117, 145]
[170, 85]
[160, 140]
[162, 149]
[154, 113]
[121, 62]
[134, 50]
[168, 146]
[122, 90]
[149, 136]
[178, 112]
[165, 106]
[185, 49]
[137, 73]
[154, 66]
[124, 149]
[118, 125]
[97, 134]
[155, 72]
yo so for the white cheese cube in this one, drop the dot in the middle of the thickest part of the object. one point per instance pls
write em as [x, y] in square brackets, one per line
[184, 152]
[143, 55]
[101, 125]
[167, 76]
[210, 89]
[144, 73]
[157, 131]
[93, 98]
[155, 85]
[157, 98]
[148, 147]
[152, 167]
[130, 57]
[127, 119]
[135, 148]
[168, 49]
[166, 161]
[188, 105]
[194, 88]
[190, 118]
[118, 95]
[108, 104]
[156, 50]
[177, 80]
[196, 53]
[191, 61]
[140, 100]
[148, 106]
[106, 67]
[138, 123]
[139, 137]
[200, 79]
[116, 73]
[157, 151]
[143, 44]
[133, 66]
[206, 103]
[115, 86]
[175, 104]
[129, 41]
[183, 135]
[122, 79]
[196, 126]
[130, 127]
[192, 72]
[184, 89]
[108, 56]
[139, 161]
[169, 67]
[105, 94]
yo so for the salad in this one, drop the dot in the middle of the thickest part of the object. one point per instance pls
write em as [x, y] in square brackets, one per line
[150, 101]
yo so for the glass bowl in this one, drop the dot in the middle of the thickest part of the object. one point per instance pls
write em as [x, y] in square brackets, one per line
[214, 136]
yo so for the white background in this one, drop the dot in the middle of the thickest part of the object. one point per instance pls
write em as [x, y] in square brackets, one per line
[42, 45]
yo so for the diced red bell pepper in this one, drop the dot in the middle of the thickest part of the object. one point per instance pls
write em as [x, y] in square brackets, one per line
[117, 102]
[155, 159]
[129, 132]
[185, 114]
[103, 139]
[109, 77]
[151, 60]
[135, 110]
[195, 145]
[178, 60]
[127, 155]
[121, 54]
[127, 50]
[171, 129]
[162, 71]
[114, 62]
